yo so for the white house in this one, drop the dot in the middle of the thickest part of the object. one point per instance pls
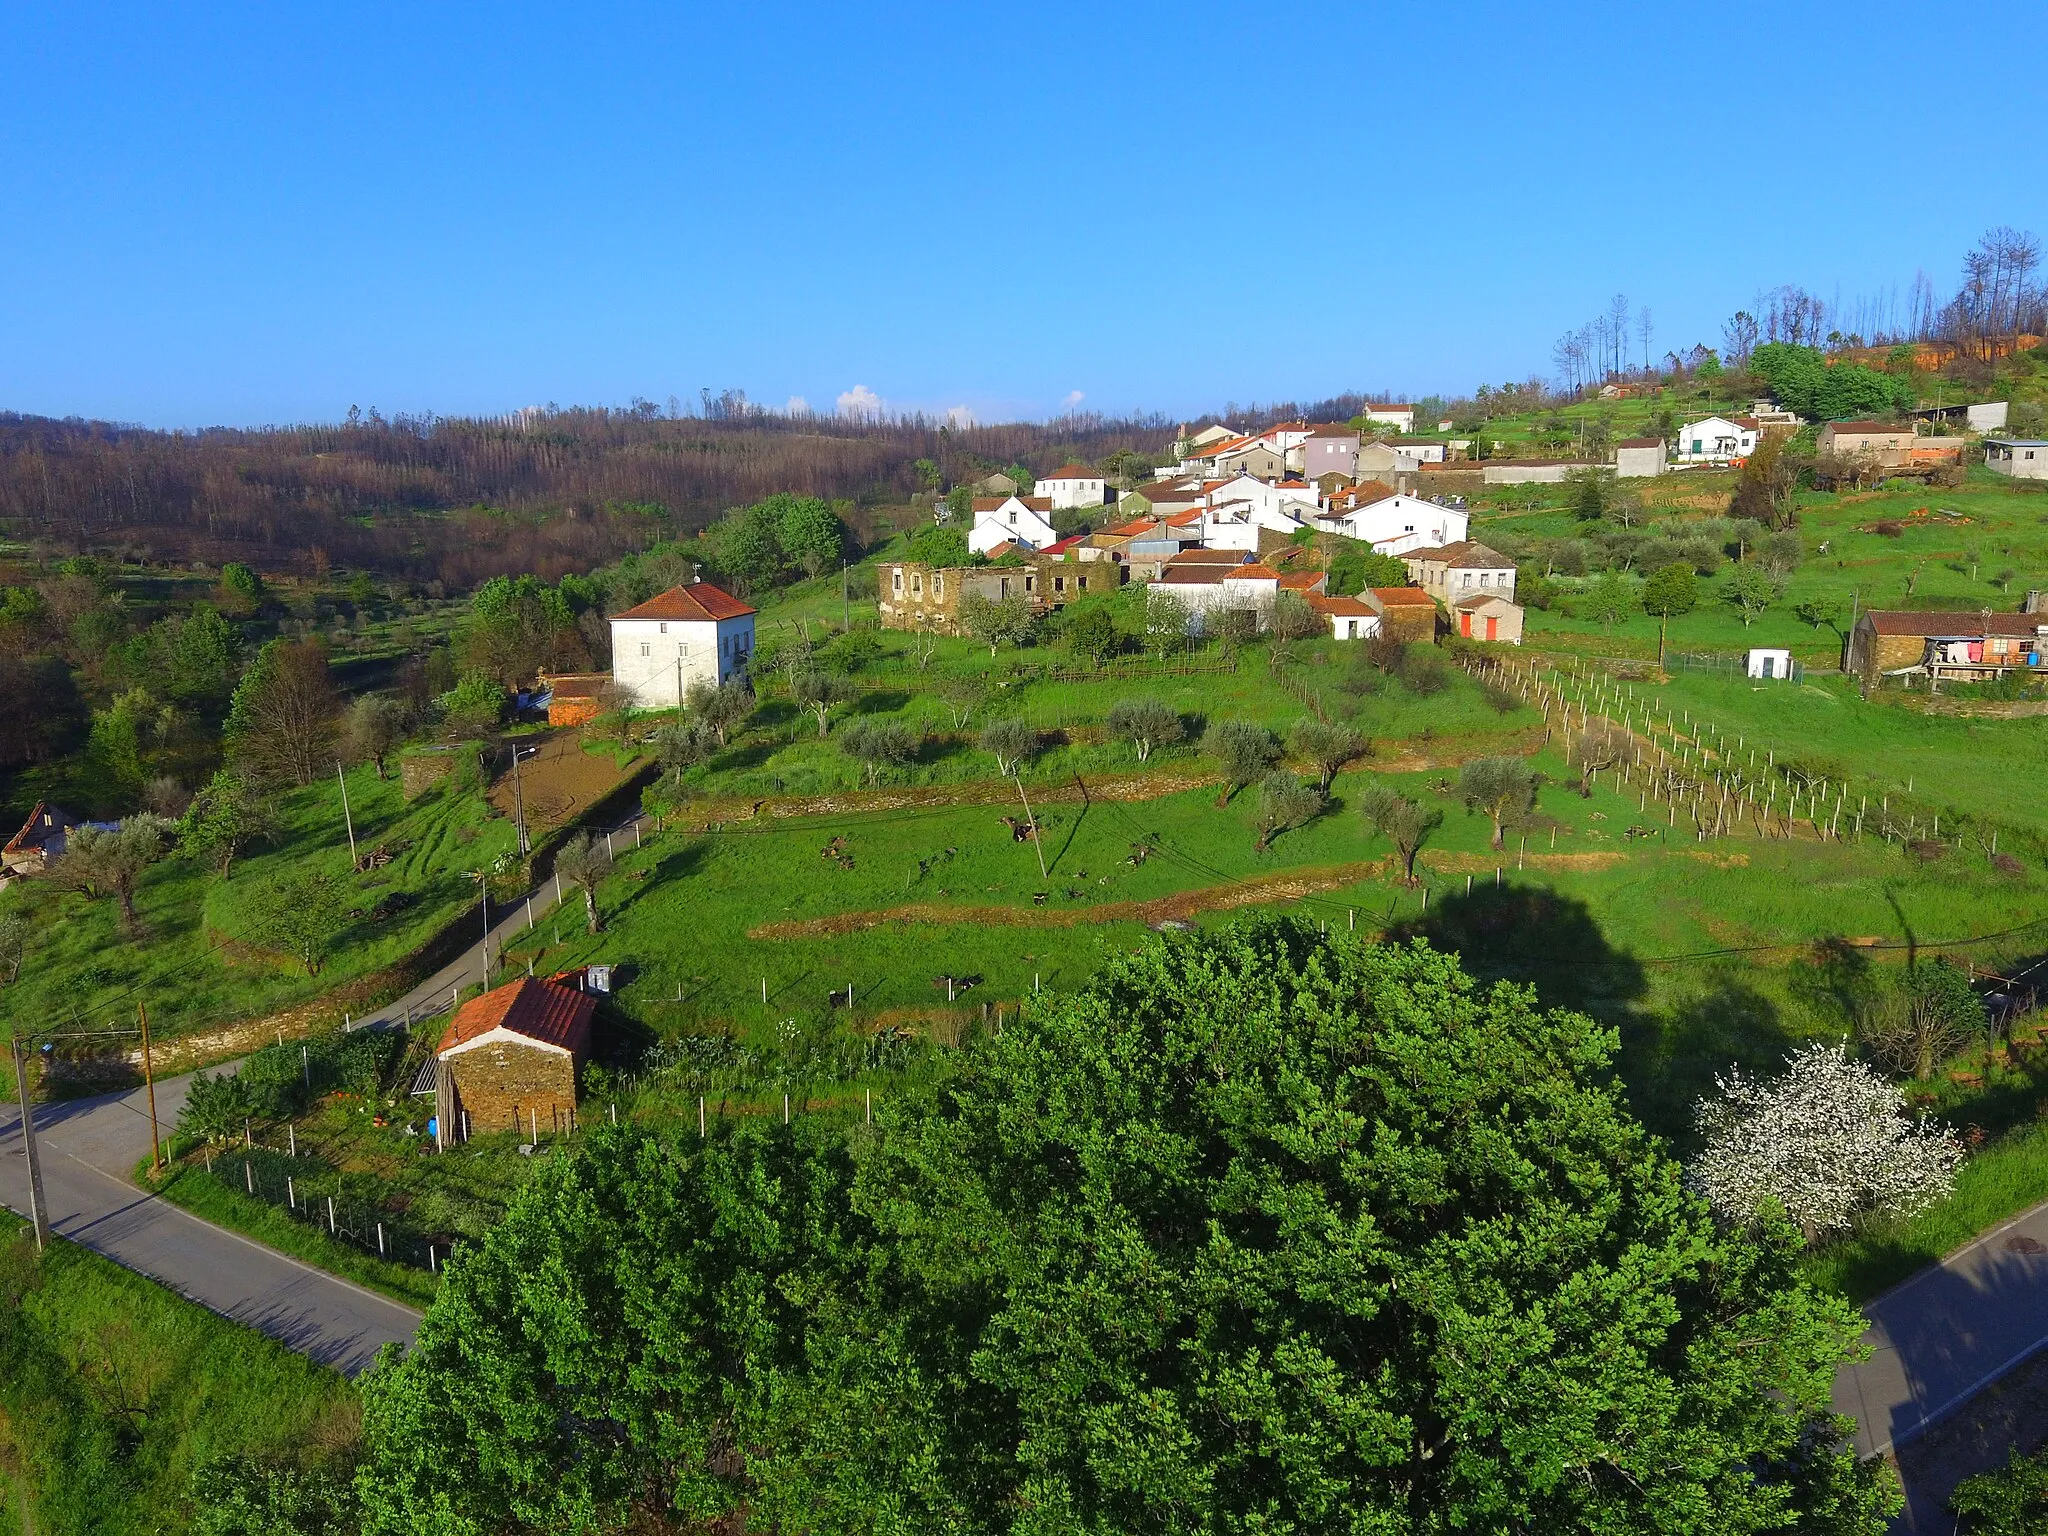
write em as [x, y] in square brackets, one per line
[1000, 519]
[1072, 485]
[1401, 416]
[693, 634]
[1717, 439]
[1202, 588]
[2020, 457]
[1397, 524]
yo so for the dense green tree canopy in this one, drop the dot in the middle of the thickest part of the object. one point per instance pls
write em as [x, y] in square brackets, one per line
[1802, 380]
[1262, 1231]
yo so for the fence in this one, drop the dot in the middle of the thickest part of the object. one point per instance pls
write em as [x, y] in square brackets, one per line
[311, 1191]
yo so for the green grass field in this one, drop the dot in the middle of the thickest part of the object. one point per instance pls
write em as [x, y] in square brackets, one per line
[199, 961]
[113, 1392]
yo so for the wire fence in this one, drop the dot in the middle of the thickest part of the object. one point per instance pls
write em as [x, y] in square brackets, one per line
[311, 1191]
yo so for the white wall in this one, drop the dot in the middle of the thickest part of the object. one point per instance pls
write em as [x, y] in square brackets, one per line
[651, 658]
[1719, 440]
[1070, 493]
[1402, 523]
[1012, 520]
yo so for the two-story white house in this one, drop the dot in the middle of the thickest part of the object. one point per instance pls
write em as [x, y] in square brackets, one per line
[693, 634]
[1072, 485]
[1717, 440]
[1395, 525]
[1400, 417]
[1023, 520]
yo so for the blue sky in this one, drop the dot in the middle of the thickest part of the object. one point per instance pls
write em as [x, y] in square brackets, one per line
[244, 214]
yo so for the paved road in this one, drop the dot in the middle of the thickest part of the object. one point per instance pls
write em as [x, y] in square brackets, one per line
[89, 1146]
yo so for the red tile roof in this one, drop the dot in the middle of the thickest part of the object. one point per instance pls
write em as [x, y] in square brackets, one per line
[1194, 575]
[1383, 406]
[990, 503]
[698, 603]
[1211, 557]
[1183, 519]
[577, 685]
[1346, 607]
[542, 1011]
[1402, 595]
[1075, 472]
[1254, 572]
[1300, 581]
[1916, 623]
[1064, 544]
[1641, 442]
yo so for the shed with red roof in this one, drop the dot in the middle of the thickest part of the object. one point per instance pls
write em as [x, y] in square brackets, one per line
[508, 1058]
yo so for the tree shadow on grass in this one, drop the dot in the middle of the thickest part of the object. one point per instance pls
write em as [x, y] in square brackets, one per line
[884, 702]
[1670, 1061]
[1537, 937]
[678, 864]
[750, 754]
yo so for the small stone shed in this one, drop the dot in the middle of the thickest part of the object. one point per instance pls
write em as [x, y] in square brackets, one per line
[509, 1058]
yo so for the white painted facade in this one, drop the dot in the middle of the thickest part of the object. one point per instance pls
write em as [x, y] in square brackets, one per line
[1401, 416]
[1069, 491]
[1714, 440]
[1399, 524]
[656, 661]
[1011, 520]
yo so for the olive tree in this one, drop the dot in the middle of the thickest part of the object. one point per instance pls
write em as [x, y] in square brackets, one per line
[1402, 821]
[583, 862]
[721, 706]
[818, 692]
[1146, 723]
[878, 744]
[1242, 750]
[1504, 788]
[1285, 803]
[1010, 742]
[110, 861]
[1329, 746]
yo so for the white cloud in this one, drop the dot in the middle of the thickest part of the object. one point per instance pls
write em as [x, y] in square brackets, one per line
[798, 406]
[959, 416]
[1074, 398]
[860, 401]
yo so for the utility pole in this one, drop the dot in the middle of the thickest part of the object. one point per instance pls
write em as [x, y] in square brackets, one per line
[38, 1209]
[1037, 844]
[845, 598]
[519, 804]
[149, 1082]
[347, 819]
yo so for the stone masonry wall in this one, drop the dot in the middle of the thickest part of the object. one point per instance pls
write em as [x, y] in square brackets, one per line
[502, 1085]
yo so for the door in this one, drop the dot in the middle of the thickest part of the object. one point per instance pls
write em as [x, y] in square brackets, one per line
[1493, 626]
[1769, 663]
[1465, 625]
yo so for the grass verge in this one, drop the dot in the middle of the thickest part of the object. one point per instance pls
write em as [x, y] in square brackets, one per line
[205, 1197]
[1993, 1186]
[113, 1391]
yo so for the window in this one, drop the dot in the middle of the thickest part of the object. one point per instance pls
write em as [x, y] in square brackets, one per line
[896, 580]
[646, 649]
[664, 629]
[938, 586]
[917, 585]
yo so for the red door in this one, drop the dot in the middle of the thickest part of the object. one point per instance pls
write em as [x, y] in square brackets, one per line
[1465, 625]
[1493, 626]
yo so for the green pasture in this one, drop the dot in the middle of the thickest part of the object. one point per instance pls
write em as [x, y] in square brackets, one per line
[198, 959]
[114, 1391]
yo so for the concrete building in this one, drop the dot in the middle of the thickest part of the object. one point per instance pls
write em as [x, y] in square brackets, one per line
[1637, 458]
[2023, 458]
[1070, 486]
[693, 634]
[1329, 451]
[1021, 520]
[1885, 443]
[1718, 439]
[508, 1059]
[1768, 661]
[1487, 616]
[1399, 524]
[1399, 417]
[1456, 571]
[1351, 618]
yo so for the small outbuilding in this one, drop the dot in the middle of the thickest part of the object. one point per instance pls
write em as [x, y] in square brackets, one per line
[1488, 616]
[509, 1057]
[2022, 458]
[1769, 661]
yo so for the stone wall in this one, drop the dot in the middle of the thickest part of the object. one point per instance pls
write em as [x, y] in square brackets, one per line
[503, 1085]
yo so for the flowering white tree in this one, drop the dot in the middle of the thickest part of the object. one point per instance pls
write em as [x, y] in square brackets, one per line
[1827, 1141]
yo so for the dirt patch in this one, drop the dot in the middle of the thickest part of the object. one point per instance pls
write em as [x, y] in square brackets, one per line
[559, 783]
